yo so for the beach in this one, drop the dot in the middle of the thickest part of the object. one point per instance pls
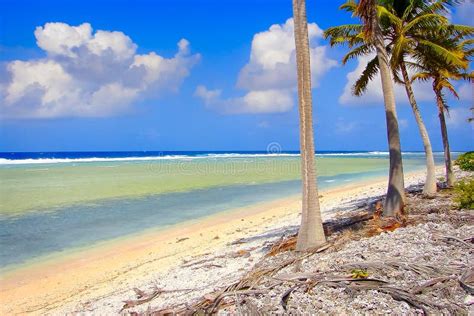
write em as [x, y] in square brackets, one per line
[99, 279]
[158, 160]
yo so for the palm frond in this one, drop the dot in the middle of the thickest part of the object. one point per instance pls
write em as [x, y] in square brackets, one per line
[460, 31]
[350, 6]
[426, 21]
[385, 13]
[360, 86]
[421, 76]
[359, 51]
[450, 56]
[349, 34]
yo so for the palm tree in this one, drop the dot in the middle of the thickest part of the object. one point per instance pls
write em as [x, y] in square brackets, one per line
[372, 35]
[405, 24]
[432, 67]
[311, 233]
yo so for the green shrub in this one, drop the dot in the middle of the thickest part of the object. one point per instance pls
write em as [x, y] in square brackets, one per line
[466, 161]
[465, 194]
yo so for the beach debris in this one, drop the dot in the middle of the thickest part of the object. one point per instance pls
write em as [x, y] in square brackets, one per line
[143, 297]
[182, 239]
[240, 253]
[467, 281]
[330, 227]
[286, 244]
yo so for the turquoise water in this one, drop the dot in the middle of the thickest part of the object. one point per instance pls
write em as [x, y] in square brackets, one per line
[52, 228]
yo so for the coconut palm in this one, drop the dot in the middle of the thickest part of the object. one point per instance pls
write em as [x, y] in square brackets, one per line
[405, 24]
[311, 233]
[369, 37]
[432, 67]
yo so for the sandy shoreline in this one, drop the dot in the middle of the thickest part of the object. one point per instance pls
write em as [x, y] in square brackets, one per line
[112, 269]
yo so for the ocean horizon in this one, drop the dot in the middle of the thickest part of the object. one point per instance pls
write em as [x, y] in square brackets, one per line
[24, 157]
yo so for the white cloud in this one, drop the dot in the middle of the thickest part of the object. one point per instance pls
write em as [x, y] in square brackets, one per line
[270, 75]
[258, 101]
[61, 38]
[374, 94]
[88, 74]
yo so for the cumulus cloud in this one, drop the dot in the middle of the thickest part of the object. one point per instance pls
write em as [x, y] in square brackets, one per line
[269, 78]
[88, 73]
[374, 93]
[258, 101]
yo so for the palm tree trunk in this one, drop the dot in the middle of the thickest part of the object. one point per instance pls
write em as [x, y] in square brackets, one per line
[311, 232]
[395, 200]
[430, 182]
[444, 134]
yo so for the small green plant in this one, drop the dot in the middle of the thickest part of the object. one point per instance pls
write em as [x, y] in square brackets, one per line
[466, 161]
[465, 193]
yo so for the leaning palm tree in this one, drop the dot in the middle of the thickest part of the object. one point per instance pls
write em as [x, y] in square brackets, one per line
[372, 35]
[431, 67]
[404, 25]
[311, 233]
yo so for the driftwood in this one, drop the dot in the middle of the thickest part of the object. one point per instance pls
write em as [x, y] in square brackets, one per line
[396, 293]
[467, 281]
[429, 284]
[422, 269]
[463, 242]
[143, 297]
[338, 224]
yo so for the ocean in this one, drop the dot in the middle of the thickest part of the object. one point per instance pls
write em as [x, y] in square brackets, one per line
[55, 202]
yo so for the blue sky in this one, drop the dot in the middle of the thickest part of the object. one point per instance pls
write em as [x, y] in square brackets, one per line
[228, 86]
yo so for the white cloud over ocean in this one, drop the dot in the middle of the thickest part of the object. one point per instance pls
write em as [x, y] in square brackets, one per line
[88, 74]
[269, 78]
[374, 94]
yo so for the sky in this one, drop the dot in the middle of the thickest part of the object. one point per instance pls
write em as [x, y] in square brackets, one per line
[192, 75]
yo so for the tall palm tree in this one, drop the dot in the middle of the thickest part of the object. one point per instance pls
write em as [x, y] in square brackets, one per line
[311, 233]
[372, 35]
[405, 24]
[431, 67]
[442, 51]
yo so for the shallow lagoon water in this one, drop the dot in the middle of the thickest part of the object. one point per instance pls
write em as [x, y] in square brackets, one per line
[114, 199]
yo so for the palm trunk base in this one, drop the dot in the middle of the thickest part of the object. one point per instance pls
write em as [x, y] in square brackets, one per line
[430, 186]
[394, 203]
